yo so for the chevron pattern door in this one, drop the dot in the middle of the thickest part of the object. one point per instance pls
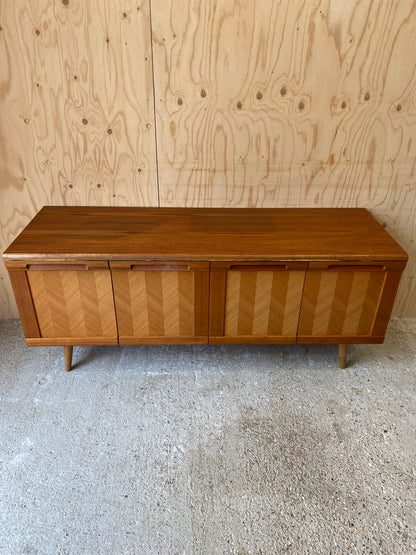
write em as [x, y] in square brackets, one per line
[73, 301]
[255, 302]
[163, 301]
[348, 302]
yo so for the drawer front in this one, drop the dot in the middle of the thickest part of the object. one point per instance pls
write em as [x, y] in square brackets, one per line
[72, 301]
[255, 302]
[345, 301]
[161, 301]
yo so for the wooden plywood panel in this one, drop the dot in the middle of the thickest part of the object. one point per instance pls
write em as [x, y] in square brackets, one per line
[281, 103]
[76, 110]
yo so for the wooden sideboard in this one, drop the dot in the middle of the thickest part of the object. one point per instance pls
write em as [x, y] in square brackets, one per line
[131, 276]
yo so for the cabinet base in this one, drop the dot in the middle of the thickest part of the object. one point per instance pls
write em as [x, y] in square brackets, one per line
[68, 351]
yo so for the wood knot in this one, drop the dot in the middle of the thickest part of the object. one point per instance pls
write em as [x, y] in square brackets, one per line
[124, 14]
[203, 93]
[367, 96]
[180, 101]
[301, 105]
[84, 121]
[343, 105]
[398, 107]
[239, 105]
[148, 126]
[26, 120]
[98, 185]
[259, 96]
[109, 131]
[37, 32]
[283, 91]
[65, 2]
[70, 186]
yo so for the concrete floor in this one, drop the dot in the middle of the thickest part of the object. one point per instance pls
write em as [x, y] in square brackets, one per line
[208, 450]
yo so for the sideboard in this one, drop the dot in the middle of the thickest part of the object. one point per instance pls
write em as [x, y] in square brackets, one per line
[131, 276]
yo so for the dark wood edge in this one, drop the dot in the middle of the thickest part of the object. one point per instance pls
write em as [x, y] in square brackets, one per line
[201, 303]
[63, 341]
[358, 265]
[258, 265]
[56, 264]
[339, 339]
[24, 301]
[217, 288]
[195, 266]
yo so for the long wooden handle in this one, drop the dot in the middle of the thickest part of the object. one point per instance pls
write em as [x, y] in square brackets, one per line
[356, 268]
[57, 267]
[159, 267]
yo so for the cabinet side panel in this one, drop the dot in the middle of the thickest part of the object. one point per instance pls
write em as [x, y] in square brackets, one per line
[386, 302]
[24, 302]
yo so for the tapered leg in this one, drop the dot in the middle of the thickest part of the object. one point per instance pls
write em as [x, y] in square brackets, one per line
[68, 357]
[342, 354]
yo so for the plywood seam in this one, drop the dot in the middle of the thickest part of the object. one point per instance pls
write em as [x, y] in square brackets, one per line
[154, 102]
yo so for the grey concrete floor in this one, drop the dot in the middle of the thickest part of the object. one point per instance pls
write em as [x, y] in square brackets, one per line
[208, 450]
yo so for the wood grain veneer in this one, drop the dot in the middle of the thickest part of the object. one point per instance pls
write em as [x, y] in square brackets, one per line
[204, 234]
[155, 276]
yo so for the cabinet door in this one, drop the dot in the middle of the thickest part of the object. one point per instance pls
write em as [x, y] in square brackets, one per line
[347, 302]
[65, 302]
[161, 301]
[255, 302]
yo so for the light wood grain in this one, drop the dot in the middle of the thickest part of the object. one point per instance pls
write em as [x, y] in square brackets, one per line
[76, 110]
[159, 304]
[261, 303]
[72, 303]
[343, 303]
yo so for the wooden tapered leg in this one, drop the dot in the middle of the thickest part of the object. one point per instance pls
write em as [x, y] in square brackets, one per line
[342, 354]
[68, 357]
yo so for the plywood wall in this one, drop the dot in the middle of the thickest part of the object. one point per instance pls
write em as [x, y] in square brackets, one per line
[289, 103]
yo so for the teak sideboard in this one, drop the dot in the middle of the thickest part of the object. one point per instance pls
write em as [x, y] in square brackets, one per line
[131, 276]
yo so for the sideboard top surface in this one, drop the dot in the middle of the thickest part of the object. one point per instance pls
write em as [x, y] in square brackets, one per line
[115, 233]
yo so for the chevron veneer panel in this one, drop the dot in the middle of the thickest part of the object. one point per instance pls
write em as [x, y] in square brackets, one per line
[153, 304]
[344, 303]
[73, 304]
[263, 303]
